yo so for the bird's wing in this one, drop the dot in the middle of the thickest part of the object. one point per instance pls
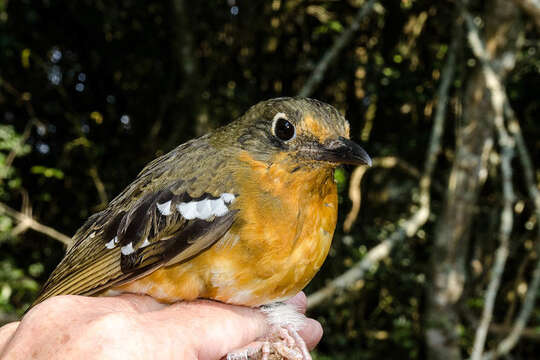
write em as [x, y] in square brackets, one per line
[141, 231]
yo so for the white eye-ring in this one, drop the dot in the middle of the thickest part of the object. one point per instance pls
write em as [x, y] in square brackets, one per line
[282, 128]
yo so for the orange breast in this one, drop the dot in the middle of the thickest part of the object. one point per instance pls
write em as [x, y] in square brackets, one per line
[280, 239]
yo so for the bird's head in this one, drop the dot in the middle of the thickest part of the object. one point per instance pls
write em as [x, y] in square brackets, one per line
[300, 130]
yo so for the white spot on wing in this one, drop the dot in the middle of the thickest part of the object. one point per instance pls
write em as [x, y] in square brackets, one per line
[218, 207]
[111, 244]
[165, 208]
[204, 209]
[228, 197]
[188, 210]
[92, 235]
[127, 249]
[145, 243]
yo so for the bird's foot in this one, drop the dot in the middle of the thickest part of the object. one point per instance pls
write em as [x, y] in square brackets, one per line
[283, 340]
[283, 343]
[289, 344]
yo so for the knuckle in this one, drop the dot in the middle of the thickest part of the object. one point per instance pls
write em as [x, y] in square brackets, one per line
[53, 305]
[50, 313]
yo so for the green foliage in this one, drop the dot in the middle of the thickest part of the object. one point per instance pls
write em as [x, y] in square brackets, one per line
[6, 224]
[47, 172]
[16, 285]
[340, 177]
[11, 145]
[16, 288]
[11, 141]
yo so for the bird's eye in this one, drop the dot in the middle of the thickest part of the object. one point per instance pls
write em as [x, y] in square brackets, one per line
[282, 128]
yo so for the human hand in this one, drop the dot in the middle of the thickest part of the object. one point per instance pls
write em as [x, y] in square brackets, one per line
[138, 327]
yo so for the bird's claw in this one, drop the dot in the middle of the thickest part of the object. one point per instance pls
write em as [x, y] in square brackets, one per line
[285, 343]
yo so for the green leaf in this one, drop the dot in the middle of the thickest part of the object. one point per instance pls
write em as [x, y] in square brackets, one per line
[47, 172]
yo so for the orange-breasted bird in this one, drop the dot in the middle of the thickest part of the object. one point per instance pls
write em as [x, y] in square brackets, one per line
[244, 215]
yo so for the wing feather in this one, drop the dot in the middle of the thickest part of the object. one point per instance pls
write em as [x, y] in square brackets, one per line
[109, 267]
[118, 248]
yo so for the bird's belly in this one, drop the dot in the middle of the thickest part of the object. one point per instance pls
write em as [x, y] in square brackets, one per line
[270, 276]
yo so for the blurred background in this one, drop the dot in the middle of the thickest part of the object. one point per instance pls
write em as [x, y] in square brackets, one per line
[436, 253]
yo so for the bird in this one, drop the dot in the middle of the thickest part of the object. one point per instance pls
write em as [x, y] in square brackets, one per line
[243, 215]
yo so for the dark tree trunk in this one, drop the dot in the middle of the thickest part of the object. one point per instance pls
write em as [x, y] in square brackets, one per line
[474, 142]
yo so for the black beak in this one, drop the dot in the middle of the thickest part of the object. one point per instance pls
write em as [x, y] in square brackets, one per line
[343, 151]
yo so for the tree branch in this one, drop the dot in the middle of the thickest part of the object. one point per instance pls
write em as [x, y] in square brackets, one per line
[31, 223]
[100, 187]
[506, 144]
[530, 333]
[500, 329]
[532, 8]
[508, 343]
[524, 157]
[317, 74]
[355, 195]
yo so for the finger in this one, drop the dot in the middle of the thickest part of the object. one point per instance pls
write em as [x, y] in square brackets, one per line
[6, 332]
[228, 326]
[311, 332]
[300, 301]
